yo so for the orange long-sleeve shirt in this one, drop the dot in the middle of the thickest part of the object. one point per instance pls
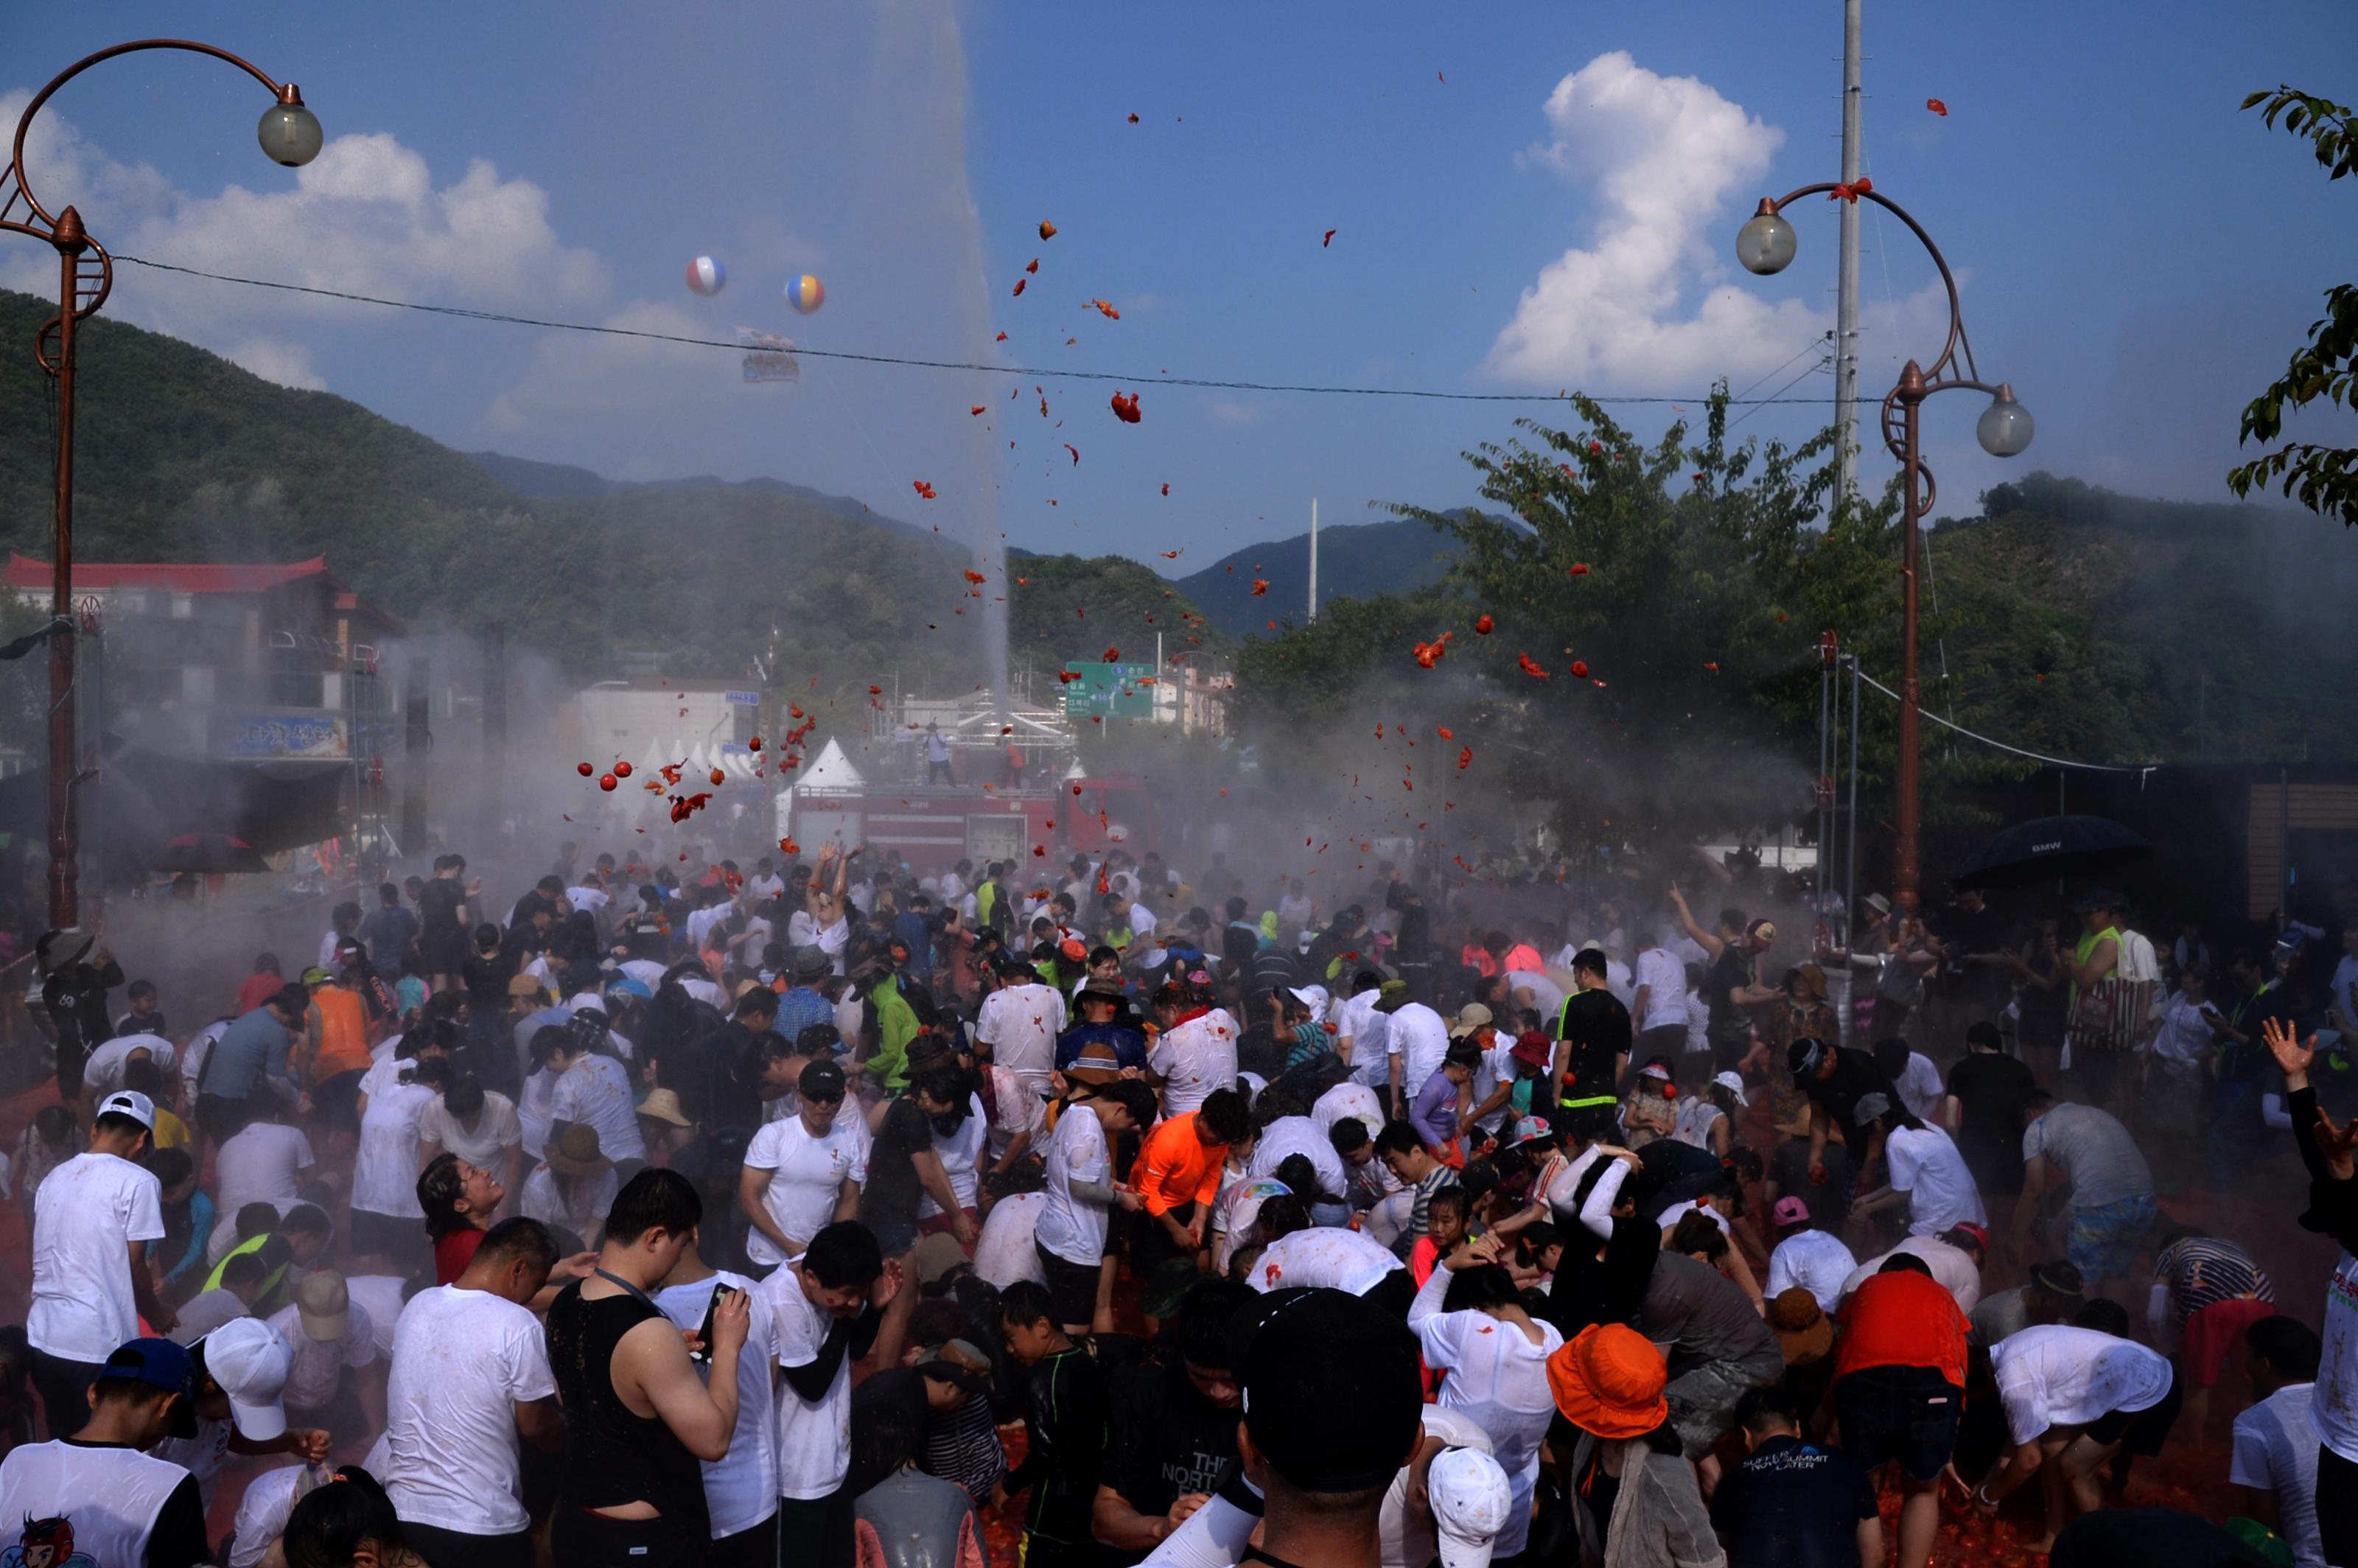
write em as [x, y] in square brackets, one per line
[1175, 1166]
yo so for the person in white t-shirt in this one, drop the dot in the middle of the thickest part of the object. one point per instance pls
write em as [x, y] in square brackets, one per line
[1419, 1039]
[1926, 1170]
[1070, 1235]
[1914, 1076]
[802, 1170]
[1019, 1022]
[1354, 1100]
[102, 1074]
[1660, 1004]
[2275, 1442]
[825, 1307]
[263, 1162]
[1363, 1033]
[1806, 1256]
[741, 1488]
[1296, 1252]
[595, 1088]
[477, 1124]
[1452, 1451]
[93, 1219]
[470, 1374]
[2074, 1398]
[1195, 1055]
[1290, 1135]
[960, 1152]
[325, 1334]
[1004, 1253]
[388, 1230]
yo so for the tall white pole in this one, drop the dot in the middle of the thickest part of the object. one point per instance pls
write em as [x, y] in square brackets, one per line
[1846, 281]
[1314, 559]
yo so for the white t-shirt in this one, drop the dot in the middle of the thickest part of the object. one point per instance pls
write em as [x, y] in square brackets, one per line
[317, 1365]
[462, 1361]
[1920, 1087]
[1696, 1115]
[1814, 1259]
[1951, 1266]
[960, 1154]
[597, 1091]
[1421, 1038]
[102, 1074]
[741, 1488]
[589, 898]
[385, 1176]
[264, 1162]
[2276, 1451]
[1405, 1541]
[806, 1177]
[1324, 1257]
[1926, 1165]
[1665, 977]
[2054, 1375]
[199, 1050]
[1547, 997]
[2336, 1415]
[2091, 1150]
[2185, 1037]
[497, 1130]
[1194, 1059]
[1290, 1135]
[1679, 1211]
[1369, 1033]
[1021, 1025]
[381, 1294]
[263, 1513]
[1003, 1253]
[1497, 1377]
[1355, 1101]
[86, 1215]
[814, 1437]
[1072, 1229]
[581, 1206]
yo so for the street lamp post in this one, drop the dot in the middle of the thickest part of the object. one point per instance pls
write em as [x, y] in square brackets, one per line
[290, 135]
[1766, 244]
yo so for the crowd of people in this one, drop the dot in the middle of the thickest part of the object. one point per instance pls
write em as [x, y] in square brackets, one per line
[827, 1212]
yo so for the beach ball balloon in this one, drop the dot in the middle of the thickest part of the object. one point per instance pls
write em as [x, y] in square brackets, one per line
[707, 277]
[806, 293]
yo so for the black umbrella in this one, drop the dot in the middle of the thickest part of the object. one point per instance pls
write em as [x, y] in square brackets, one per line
[2049, 847]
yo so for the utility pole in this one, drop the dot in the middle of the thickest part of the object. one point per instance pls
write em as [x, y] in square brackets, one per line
[1314, 560]
[1847, 276]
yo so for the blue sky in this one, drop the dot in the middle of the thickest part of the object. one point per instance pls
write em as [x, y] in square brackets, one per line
[2138, 258]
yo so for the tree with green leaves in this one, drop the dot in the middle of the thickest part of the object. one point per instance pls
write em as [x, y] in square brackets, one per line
[2321, 478]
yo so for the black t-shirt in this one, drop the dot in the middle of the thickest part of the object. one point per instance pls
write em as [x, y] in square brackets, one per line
[1991, 1086]
[1856, 1077]
[1164, 1441]
[437, 913]
[1790, 1504]
[890, 1195]
[1962, 933]
[902, 1386]
[1597, 1027]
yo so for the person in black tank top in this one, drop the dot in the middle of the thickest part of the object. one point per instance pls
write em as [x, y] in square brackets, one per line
[632, 1494]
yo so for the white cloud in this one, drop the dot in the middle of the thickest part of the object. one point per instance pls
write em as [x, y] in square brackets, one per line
[1648, 304]
[288, 365]
[574, 378]
[1236, 413]
[365, 217]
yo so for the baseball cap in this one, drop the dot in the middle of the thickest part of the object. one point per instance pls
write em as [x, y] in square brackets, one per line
[315, 976]
[323, 1305]
[1331, 1394]
[1805, 1054]
[1976, 1234]
[251, 1364]
[1471, 1500]
[958, 1361]
[1792, 1211]
[1655, 1071]
[1733, 1082]
[1762, 931]
[1470, 1017]
[1869, 1107]
[821, 1081]
[160, 1364]
[130, 1103]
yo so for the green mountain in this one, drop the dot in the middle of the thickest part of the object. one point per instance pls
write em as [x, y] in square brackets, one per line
[181, 455]
[1357, 560]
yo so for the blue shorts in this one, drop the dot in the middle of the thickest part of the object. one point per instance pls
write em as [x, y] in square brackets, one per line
[2103, 1240]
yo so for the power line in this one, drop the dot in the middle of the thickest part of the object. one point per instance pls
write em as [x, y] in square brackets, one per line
[2140, 769]
[903, 361]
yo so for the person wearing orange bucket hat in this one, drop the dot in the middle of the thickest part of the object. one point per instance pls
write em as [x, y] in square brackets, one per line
[1634, 1499]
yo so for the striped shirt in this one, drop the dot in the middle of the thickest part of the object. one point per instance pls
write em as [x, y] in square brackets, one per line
[1420, 1208]
[2201, 1270]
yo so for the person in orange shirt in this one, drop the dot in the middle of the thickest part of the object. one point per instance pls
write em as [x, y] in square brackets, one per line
[335, 1031]
[1176, 1177]
[1899, 1388]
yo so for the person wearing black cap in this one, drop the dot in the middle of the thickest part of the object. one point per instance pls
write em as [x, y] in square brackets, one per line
[802, 1170]
[1835, 1077]
[1332, 1409]
[97, 1498]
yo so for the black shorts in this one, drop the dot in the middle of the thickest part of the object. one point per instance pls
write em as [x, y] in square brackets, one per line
[1073, 1287]
[2337, 1505]
[1593, 1122]
[450, 1549]
[1904, 1414]
[2142, 1432]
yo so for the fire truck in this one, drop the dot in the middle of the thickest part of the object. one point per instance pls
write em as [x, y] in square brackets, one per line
[933, 826]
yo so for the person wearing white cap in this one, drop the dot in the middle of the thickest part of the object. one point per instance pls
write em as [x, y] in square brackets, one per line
[93, 1219]
[238, 1384]
[1404, 1529]
[1706, 1119]
[1469, 1498]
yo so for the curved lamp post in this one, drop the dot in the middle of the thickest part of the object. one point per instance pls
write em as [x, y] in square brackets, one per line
[290, 135]
[1766, 244]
